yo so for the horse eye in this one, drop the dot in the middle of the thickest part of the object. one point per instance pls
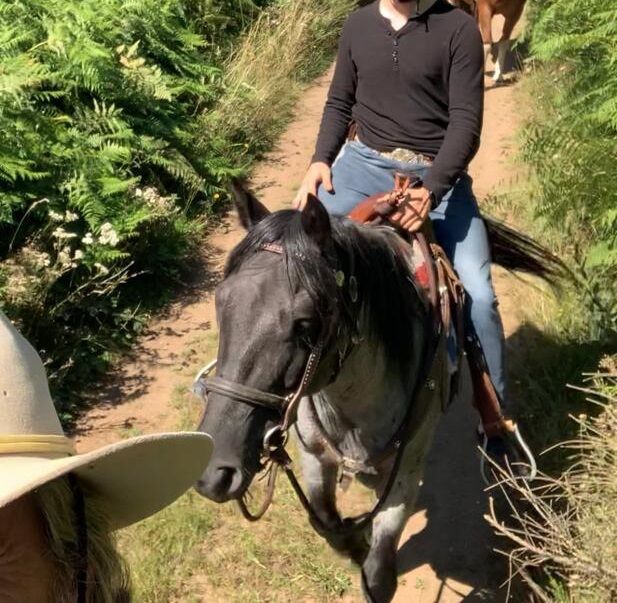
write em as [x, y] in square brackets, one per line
[302, 326]
[304, 329]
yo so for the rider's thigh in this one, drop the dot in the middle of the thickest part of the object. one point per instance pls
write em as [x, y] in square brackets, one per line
[357, 174]
[460, 230]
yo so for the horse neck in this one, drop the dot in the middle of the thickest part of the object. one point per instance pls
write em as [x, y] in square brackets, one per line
[367, 402]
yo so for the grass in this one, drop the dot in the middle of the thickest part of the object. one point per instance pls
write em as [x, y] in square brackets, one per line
[284, 50]
[163, 551]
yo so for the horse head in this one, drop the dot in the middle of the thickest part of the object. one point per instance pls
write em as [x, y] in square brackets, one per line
[268, 319]
[469, 6]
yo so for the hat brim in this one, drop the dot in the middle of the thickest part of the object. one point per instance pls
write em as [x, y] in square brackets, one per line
[134, 478]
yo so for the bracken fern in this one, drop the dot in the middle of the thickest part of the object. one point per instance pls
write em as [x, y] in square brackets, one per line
[571, 140]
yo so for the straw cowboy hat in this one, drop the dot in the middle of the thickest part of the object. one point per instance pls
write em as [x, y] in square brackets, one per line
[135, 478]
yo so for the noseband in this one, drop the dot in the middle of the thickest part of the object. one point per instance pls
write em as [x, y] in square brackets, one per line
[285, 406]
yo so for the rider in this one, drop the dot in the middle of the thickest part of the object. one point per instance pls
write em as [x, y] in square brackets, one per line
[409, 78]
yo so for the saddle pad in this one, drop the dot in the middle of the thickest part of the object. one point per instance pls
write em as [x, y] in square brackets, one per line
[420, 266]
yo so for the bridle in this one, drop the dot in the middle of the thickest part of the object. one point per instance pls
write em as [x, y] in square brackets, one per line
[275, 439]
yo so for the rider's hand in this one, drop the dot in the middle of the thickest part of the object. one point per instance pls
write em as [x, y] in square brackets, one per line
[318, 173]
[412, 213]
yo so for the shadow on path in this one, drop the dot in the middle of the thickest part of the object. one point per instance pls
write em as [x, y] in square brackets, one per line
[455, 541]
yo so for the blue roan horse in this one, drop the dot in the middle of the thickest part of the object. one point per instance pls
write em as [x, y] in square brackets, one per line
[301, 280]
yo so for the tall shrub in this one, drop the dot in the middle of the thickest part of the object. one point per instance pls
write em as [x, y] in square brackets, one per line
[116, 140]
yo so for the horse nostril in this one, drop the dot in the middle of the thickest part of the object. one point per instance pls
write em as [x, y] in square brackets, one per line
[225, 478]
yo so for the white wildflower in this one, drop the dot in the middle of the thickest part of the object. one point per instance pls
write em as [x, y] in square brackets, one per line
[34, 257]
[102, 269]
[60, 233]
[71, 216]
[64, 257]
[157, 202]
[43, 260]
[150, 194]
[54, 216]
[88, 239]
[78, 255]
[108, 235]
[138, 192]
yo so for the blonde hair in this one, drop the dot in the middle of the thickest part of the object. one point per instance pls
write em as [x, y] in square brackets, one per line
[107, 573]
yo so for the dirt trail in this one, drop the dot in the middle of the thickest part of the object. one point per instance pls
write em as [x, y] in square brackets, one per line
[446, 551]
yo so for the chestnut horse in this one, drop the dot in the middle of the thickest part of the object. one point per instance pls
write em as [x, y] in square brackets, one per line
[484, 11]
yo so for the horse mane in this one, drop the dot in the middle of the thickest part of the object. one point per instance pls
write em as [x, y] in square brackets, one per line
[388, 296]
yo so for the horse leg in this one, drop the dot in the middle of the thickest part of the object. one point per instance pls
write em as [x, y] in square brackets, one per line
[503, 46]
[379, 572]
[321, 480]
[485, 16]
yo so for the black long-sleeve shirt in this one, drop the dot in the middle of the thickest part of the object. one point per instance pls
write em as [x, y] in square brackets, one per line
[420, 88]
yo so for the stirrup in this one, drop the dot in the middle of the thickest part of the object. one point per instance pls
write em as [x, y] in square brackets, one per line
[512, 436]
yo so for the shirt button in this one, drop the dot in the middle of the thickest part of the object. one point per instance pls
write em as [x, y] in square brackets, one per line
[395, 42]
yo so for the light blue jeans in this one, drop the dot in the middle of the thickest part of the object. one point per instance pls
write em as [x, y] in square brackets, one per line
[360, 172]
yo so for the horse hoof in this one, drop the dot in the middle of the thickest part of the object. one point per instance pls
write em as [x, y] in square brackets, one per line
[366, 591]
[382, 592]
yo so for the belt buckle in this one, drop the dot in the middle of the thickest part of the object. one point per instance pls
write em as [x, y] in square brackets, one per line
[405, 156]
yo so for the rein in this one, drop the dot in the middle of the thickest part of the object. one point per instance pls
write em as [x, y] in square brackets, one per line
[276, 438]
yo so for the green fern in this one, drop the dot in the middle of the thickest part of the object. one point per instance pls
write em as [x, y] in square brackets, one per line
[571, 141]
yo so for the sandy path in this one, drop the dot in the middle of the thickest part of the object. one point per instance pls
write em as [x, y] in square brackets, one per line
[446, 551]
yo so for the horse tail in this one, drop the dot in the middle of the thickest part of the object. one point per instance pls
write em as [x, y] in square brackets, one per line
[515, 251]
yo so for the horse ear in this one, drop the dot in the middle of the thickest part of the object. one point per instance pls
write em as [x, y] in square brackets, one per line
[316, 221]
[250, 210]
